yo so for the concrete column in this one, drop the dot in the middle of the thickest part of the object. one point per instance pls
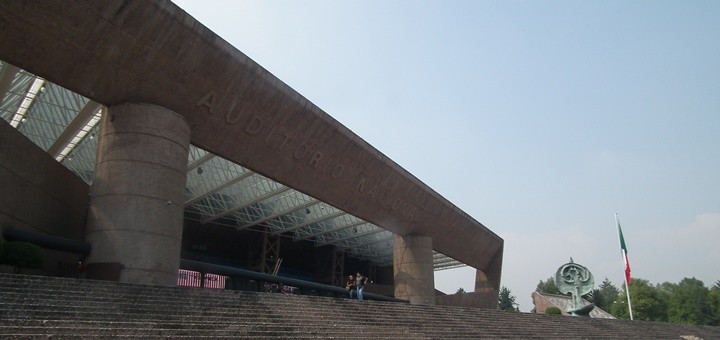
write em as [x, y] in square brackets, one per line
[487, 282]
[413, 269]
[485, 295]
[137, 199]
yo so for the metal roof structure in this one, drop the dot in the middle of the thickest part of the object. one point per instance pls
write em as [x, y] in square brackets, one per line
[218, 192]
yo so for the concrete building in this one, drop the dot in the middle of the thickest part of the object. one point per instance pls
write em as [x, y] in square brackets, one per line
[131, 126]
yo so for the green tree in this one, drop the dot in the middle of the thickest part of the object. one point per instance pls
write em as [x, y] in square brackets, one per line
[647, 302]
[506, 301]
[547, 286]
[714, 304]
[596, 297]
[460, 291]
[689, 303]
[552, 310]
[604, 296]
[22, 255]
[666, 289]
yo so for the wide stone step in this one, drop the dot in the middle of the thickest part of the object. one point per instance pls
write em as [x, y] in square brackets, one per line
[253, 310]
[179, 303]
[62, 314]
[163, 295]
[133, 312]
[35, 307]
[184, 303]
[104, 329]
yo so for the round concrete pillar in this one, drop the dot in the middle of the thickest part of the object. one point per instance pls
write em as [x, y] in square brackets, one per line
[413, 269]
[137, 199]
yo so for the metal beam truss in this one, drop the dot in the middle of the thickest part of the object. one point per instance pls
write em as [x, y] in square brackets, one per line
[271, 259]
[338, 272]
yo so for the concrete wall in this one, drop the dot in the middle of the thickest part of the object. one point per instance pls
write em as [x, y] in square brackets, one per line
[382, 289]
[38, 193]
[478, 300]
[541, 304]
[542, 301]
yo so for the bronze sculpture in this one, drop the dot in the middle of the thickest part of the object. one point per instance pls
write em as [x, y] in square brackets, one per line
[576, 280]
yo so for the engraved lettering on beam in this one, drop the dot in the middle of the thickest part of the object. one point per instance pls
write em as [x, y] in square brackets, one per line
[208, 101]
[361, 185]
[285, 140]
[228, 116]
[298, 154]
[373, 191]
[397, 204]
[337, 171]
[385, 198]
[269, 135]
[254, 127]
[315, 159]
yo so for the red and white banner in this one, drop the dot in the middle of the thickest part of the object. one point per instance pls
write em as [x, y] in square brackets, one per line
[189, 278]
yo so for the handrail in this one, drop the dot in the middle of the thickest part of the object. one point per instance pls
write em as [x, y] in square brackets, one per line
[84, 248]
[47, 241]
[262, 277]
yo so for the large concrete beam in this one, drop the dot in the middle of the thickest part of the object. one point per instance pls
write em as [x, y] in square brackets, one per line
[153, 52]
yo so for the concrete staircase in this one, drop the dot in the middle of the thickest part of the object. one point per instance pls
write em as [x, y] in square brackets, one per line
[60, 308]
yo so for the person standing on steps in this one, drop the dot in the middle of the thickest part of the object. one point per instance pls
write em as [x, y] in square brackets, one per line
[350, 285]
[360, 281]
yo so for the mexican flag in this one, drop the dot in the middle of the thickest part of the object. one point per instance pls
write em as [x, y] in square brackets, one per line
[623, 249]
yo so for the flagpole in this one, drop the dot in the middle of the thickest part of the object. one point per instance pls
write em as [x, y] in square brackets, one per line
[627, 290]
[624, 256]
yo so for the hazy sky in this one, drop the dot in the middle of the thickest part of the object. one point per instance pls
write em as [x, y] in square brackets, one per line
[541, 119]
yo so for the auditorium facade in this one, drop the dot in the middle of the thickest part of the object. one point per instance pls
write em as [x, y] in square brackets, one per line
[131, 127]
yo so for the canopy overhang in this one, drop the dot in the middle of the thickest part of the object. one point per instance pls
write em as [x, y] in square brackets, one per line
[116, 52]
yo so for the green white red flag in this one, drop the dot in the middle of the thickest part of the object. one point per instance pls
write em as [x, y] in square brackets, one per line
[623, 248]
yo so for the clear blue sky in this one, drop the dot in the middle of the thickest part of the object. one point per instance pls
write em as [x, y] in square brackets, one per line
[540, 119]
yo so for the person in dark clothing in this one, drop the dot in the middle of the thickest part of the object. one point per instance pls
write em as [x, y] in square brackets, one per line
[350, 285]
[360, 282]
